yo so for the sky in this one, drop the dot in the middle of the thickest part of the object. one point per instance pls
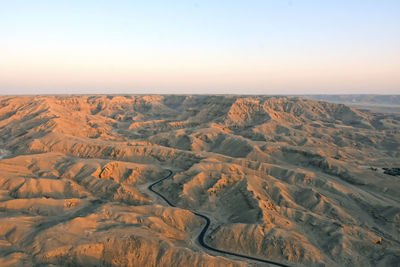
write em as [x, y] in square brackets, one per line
[202, 47]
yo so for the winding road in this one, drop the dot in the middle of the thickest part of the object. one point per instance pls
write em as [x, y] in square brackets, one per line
[202, 234]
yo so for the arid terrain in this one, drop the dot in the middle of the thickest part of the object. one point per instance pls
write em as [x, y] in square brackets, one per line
[125, 180]
[374, 103]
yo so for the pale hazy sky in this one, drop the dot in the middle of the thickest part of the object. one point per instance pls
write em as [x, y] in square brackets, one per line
[204, 46]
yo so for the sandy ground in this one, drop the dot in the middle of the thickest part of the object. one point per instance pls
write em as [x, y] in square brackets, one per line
[285, 179]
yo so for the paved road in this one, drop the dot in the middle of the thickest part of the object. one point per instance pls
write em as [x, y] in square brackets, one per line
[203, 232]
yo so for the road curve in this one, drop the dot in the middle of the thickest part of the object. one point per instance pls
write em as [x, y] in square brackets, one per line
[202, 234]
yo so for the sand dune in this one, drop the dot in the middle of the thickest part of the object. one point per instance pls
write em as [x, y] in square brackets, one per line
[285, 179]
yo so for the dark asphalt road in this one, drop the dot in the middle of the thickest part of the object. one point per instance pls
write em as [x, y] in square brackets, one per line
[202, 234]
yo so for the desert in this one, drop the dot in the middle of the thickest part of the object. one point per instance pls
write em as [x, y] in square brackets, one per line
[133, 180]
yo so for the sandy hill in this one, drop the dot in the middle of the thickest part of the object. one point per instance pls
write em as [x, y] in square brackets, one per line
[291, 180]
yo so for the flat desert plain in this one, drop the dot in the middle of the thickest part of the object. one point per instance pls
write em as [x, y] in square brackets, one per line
[181, 180]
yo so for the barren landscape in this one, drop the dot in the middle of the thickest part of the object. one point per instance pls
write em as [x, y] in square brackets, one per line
[197, 180]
